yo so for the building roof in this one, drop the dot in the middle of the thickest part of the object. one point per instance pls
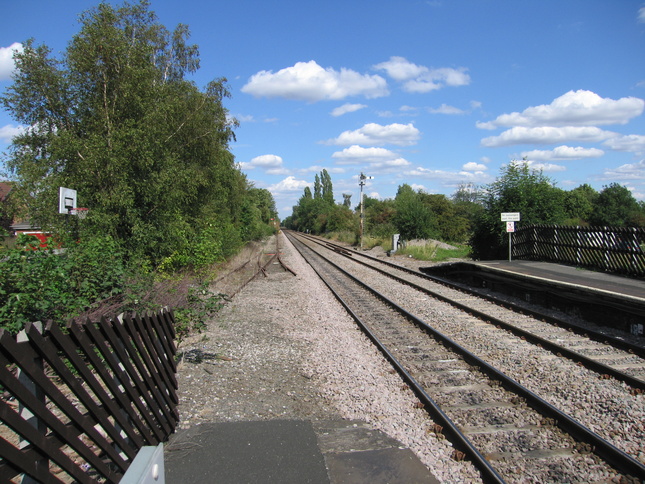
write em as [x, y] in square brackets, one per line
[5, 188]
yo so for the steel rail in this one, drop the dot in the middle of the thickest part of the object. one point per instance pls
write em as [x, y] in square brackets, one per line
[554, 348]
[601, 447]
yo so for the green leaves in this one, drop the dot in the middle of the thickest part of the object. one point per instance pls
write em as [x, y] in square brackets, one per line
[40, 284]
[115, 119]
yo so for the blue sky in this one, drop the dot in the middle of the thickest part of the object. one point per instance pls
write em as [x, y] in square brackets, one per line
[432, 93]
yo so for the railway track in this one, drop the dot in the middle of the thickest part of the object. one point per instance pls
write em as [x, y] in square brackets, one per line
[610, 356]
[506, 429]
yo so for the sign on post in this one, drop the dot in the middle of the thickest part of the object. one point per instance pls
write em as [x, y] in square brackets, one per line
[510, 218]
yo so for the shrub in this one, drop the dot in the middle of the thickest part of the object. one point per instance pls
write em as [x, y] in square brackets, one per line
[38, 284]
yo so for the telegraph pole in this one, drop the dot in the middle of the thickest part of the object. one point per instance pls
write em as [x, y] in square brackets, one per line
[361, 183]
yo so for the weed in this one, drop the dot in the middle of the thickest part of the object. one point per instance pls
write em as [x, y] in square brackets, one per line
[431, 252]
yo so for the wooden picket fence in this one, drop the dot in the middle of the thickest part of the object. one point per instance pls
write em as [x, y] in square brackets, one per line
[79, 402]
[609, 249]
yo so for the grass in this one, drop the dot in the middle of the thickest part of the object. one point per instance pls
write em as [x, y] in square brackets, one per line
[431, 252]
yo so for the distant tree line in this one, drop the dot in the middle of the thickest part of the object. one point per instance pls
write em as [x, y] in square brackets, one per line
[472, 214]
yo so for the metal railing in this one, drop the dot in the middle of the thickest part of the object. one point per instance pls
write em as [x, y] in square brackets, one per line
[609, 249]
[80, 401]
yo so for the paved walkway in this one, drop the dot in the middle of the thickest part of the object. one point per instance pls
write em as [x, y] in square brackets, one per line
[290, 452]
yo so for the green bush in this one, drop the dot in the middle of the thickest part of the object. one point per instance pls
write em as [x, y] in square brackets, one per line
[39, 284]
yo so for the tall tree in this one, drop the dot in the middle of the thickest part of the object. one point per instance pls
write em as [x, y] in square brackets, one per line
[615, 206]
[327, 188]
[579, 204]
[413, 219]
[518, 189]
[115, 119]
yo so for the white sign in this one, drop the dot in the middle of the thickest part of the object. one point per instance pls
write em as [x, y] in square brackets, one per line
[510, 216]
[66, 199]
[510, 226]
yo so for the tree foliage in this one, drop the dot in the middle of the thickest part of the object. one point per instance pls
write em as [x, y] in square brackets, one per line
[518, 189]
[616, 206]
[116, 118]
[579, 204]
[413, 218]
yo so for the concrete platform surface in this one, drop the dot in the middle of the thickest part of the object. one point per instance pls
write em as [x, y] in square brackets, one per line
[574, 276]
[290, 451]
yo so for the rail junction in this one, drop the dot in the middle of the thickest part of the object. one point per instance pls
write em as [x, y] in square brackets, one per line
[462, 370]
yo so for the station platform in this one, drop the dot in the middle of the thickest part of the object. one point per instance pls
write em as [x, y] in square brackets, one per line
[290, 452]
[606, 299]
[568, 275]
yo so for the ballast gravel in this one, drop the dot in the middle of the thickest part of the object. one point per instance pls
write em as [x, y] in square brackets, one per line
[284, 348]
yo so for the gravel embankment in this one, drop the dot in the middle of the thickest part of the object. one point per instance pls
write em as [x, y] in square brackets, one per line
[285, 348]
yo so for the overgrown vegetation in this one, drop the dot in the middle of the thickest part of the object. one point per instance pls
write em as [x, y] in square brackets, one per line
[116, 118]
[432, 252]
[39, 284]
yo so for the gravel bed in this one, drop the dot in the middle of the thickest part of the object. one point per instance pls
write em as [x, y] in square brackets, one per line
[606, 406]
[283, 347]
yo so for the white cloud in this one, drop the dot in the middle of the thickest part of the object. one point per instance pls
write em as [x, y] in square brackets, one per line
[400, 69]
[357, 154]
[271, 164]
[267, 161]
[632, 143]
[445, 109]
[318, 169]
[546, 167]
[347, 108]
[416, 187]
[289, 184]
[377, 158]
[575, 108]
[373, 134]
[449, 178]
[307, 81]
[245, 118]
[421, 79]
[472, 166]
[563, 153]
[641, 15]
[630, 171]
[6, 60]
[547, 135]
[8, 131]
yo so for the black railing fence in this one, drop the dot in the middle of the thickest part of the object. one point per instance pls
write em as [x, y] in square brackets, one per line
[609, 249]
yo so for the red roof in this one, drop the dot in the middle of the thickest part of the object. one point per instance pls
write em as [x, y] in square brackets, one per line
[5, 188]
